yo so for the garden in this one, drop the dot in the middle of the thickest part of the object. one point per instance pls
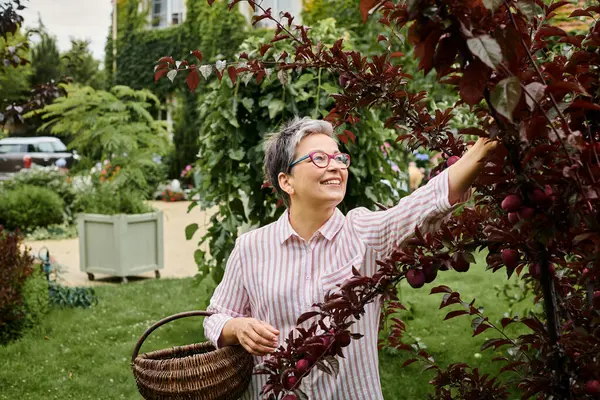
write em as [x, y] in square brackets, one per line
[502, 302]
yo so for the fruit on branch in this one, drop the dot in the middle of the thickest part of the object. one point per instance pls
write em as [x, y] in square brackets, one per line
[596, 300]
[592, 387]
[343, 338]
[289, 382]
[430, 272]
[452, 160]
[326, 340]
[526, 213]
[513, 217]
[539, 197]
[511, 203]
[290, 396]
[302, 365]
[510, 257]
[415, 278]
[460, 264]
[535, 270]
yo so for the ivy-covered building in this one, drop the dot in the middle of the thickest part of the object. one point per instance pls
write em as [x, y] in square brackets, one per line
[150, 29]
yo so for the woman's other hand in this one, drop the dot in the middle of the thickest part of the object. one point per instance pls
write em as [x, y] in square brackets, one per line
[257, 337]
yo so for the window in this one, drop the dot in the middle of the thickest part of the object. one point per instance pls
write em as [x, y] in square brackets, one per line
[167, 12]
[159, 13]
[12, 148]
[177, 10]
[59, 147]
[44, 147]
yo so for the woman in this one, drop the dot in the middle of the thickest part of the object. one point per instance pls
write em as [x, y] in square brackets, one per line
[275, 273]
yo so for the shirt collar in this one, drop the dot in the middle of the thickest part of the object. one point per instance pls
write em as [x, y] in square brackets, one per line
[328, 230]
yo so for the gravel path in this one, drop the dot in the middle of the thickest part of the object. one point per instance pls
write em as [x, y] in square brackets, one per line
[179, 252]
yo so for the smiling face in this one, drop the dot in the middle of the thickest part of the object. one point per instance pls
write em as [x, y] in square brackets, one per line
[311, 186]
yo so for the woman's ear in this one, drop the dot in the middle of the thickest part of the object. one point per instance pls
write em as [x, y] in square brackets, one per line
[285, 183]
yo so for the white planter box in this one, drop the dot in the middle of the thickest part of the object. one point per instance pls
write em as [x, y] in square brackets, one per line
[121, 245]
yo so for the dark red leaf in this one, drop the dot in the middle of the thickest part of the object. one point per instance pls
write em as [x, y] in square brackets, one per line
[565, 87]
[495, 343]
[396, 54]
[160, 73]
[548, 30]
[264, 48]
[365, 7]
[350, 135]
[481, 328]
[556, 5]
[193, 79]
[408, 362]
[440, 289]
[343, 138]
[197, 54]
[580, 13]
[512, 366]
[507, 321]
[306, 316]
[456, 313]
[168, 59]
[473, 82]
[232, 73]
[259, 76]
[472, 131]
[534, 324]
[582, 104]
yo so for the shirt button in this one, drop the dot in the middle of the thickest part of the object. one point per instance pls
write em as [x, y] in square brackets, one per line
[308, 278]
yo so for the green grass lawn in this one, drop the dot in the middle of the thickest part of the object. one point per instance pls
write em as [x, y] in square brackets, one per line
[85, 354]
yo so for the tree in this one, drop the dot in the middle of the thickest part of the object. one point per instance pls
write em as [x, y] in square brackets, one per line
[535, 88]
[14, 81]
[115, 125]
[79, 64]
[15, 56]
[45, 61]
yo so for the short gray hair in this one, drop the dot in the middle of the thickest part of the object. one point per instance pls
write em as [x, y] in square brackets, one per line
[280, 148]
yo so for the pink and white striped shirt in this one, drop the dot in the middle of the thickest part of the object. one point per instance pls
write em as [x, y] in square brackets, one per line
[274, 275]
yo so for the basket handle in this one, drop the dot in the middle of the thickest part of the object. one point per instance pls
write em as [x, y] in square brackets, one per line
[163, 321]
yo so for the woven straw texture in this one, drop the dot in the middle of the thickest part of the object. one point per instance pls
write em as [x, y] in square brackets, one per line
[196, 371]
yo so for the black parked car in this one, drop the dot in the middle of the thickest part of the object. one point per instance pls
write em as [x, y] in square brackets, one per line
[17, 153]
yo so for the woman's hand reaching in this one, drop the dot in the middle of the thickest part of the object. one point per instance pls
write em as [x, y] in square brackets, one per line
[257, 337]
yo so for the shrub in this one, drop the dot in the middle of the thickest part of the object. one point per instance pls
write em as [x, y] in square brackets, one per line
[28, 207]
[49, 178]
[16, 266]
[35, 298]
[107, 198]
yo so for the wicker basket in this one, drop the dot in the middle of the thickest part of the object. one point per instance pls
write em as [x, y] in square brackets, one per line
[197, 371]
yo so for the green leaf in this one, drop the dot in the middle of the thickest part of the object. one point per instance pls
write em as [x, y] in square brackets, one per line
[237, 155]
[199, 257]
[190, 230]
[237, 207]
[506, 95]
[275, 107]
[487, 49]
[303, 80]
[248, 103]
[329, 88]
[492, 5]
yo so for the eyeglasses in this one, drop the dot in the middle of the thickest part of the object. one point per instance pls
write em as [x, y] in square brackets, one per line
[322, 159]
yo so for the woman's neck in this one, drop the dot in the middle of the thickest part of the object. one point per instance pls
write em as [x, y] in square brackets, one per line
[307, 220]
